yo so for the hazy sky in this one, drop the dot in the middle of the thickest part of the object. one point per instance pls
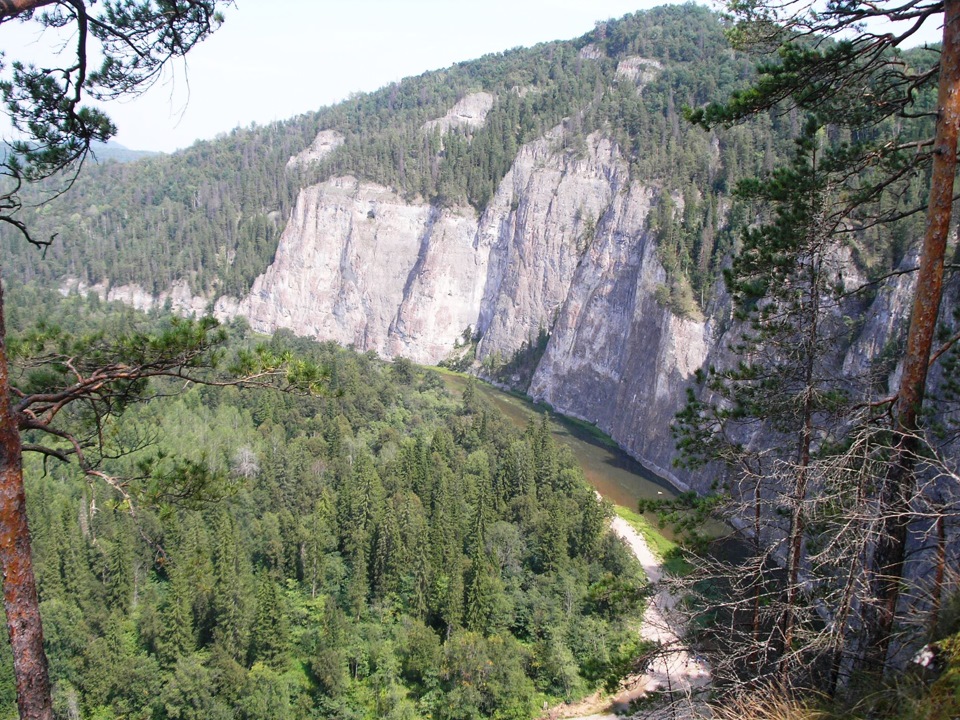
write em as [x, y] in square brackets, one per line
[273, 59]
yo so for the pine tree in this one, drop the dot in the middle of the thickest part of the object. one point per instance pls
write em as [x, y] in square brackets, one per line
[784, 398]
[862, 83]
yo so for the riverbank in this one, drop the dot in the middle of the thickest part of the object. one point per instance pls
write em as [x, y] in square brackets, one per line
[675, 670]
[622, 480]
[618, 477]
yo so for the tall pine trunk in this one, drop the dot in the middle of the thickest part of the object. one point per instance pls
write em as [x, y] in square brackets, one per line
[886, 570]
[810, 343]
[19, 585]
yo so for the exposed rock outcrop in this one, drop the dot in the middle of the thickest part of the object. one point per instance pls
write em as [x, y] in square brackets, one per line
[323, 144]
[179, 297]
[471, 111]
[359, 265]
[563, 247]
[638, 70]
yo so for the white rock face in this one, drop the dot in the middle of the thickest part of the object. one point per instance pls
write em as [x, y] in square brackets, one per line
[540, 221]
[471, 111]
[639, 70]
[182, 300]
[359, 265]
[590, 52]
[325, 143]
[616, 358]
[563, 246]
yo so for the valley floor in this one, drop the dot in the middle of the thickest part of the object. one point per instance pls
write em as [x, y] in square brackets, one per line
[675, 670]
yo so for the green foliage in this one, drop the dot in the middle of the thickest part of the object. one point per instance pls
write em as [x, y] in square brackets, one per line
[517, 372]
[74, 392]
[376, 550]
[53, 129]
[211, 215]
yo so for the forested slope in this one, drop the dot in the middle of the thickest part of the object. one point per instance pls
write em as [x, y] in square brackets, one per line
[212, 214]
[571, 240]
[380, 550]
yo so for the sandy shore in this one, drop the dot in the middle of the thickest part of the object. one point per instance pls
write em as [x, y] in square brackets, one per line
[675, 670]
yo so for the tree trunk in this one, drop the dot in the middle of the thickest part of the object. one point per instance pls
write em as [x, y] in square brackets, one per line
[938, 576]
[19, 586]
[886, 572]
[10, 8]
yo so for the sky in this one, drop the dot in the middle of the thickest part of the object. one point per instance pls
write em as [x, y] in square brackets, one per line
[273, 59]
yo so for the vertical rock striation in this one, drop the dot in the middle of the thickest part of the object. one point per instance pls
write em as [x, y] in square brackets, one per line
[563, 247]
[359, 265]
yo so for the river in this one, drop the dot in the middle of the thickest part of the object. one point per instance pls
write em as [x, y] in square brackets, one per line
[615, 475]
[621, 479]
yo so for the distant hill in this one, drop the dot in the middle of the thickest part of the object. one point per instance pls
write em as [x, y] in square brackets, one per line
[218, 207]
[114, 151]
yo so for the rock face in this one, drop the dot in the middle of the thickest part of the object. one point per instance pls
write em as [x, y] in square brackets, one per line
[471, 111]
[323, 144]
[639, 70]
[563, 247]
[358, 265]
[540, 223]
[179, 297]
[616, 358]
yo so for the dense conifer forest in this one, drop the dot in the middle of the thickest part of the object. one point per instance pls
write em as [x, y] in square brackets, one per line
[379, 550]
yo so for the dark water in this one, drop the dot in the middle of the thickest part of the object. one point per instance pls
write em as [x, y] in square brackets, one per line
[615, 475]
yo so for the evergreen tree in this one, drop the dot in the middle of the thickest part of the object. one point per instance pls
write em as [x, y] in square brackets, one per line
[178, 638]
[318, 539]
[232, 601]
[787, 283]
[230, 620]
[269, 636]
[864, 85]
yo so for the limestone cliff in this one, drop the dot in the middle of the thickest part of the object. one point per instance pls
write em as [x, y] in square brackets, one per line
[358, 265]
[564, 247]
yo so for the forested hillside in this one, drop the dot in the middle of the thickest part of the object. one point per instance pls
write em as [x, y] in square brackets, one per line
[212, 214]
[381, 550]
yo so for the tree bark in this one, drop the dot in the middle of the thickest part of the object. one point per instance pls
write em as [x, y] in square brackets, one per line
[886, 572]
[11, 8]
[19, 586]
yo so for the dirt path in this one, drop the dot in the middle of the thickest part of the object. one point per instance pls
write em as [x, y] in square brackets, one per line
[675, 670]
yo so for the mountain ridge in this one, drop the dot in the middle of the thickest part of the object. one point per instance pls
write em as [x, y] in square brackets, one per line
[575, 213]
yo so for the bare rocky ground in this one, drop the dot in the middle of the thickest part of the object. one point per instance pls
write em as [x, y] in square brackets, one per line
[676, 672]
